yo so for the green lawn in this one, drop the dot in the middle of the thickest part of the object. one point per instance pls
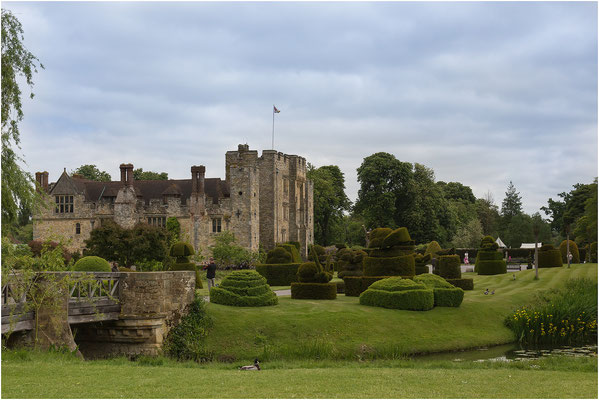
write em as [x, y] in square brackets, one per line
[63, 377]
[344, 329]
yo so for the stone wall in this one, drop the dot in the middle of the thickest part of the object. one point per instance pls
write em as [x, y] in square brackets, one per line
[151, 303]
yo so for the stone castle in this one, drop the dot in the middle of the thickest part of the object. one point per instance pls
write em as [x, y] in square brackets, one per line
[263, 201]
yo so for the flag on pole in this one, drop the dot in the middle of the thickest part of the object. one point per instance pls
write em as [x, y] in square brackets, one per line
[275, 109]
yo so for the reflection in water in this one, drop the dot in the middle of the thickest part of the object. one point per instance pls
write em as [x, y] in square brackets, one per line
[509, 352]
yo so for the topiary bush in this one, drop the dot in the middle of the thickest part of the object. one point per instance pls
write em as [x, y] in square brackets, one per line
[488, 260]
[389, 266]
[292, 249]
[420, 263]
[398, 237]
[278, 274]
[350, 262]
[593, 252]
[314, 280]
[279, 255]
[563, 247]
[549, 257]
[181, 251]
[92, 264]
[450, 267]
[398, 293]
[433, 248]
[463, 283]
[244, 288]
[377, 236]
[446, 295]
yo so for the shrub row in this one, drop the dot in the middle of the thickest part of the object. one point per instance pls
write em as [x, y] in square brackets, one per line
[389, 266]
[549, 257]
[278, 274]
[316, 291]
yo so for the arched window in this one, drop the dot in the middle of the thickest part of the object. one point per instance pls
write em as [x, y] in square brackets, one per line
[78, 228]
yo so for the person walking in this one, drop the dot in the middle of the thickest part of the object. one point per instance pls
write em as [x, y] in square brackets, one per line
[210, 273]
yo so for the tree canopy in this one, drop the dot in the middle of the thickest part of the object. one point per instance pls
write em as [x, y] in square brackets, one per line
[18, 188]
[140, 175]
[91, 172]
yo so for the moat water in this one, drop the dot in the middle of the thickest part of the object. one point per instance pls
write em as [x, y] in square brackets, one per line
[510, 352]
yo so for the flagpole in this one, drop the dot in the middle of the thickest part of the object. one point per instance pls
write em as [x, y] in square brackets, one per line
[273, 127]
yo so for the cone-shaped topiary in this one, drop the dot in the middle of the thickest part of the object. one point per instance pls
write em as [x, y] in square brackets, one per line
[245, 288]
[92, 264]
[182, 251]
[446, 295]
[563, 248]
[398, 293]
[549, 257]
[488, 260]
[377, 236]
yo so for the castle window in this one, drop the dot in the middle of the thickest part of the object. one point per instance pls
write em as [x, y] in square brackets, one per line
[78, 228]
[64, 204]
[157, 221]
[216, 225]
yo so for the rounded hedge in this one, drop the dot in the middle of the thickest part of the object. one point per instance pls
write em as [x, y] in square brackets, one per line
[291, 249]
[278, 274]
[92, 264]
[397, 237]
[398, 293]
[245, 288]
[563, 248]
[433, 248]
[307, 271]
[549, 257]
[450, 267]
[446, 295]
[278, 255]
[377, 236]
[314, 291]
[389, 266]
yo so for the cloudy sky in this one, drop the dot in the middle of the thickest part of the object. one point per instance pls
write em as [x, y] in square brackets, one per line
[483, 93]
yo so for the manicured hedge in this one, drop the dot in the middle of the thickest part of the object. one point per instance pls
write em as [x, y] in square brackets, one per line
[593, 252]
[489, 261]
[464, 283]
[354, 285]
[278, 274]
[450, 267]
[563, 247]
[446, 295]
[377, 236]
[432, 248]
[549, 257]
[92, 264]
[398, 237]
[491, 267]
[520, 253]
[397, 293]
[392, 252]
[278, 255]
[420, 263]
[471, 254]
[389, 266]
[292, 249]
[244, 288]
[315, 291]
[340, 286]
[350, 262]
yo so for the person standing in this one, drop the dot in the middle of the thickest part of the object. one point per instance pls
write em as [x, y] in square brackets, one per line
[210, 273]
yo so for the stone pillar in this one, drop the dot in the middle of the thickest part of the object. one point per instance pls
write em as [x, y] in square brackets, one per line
[202, 173]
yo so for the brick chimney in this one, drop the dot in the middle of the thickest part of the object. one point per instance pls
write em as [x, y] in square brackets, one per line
[197, 179]
[201, 179]
[38, 179]
[45, 181]
[126, 173]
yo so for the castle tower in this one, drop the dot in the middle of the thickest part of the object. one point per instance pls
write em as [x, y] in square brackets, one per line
[243, 175]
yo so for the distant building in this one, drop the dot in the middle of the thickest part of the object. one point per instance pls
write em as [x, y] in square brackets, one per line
[263, 200]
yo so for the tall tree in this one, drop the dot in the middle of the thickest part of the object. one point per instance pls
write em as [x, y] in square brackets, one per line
[140, 175]
[512, 203]
[330, 201]
[383, 195]
[488, 214]
[18, 188]
[91, 172]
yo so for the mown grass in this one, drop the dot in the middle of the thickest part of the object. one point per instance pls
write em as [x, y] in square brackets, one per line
[344, 329]
[34, 375]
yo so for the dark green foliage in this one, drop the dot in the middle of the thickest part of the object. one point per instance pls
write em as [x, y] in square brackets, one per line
[278, 255]
[450, 267]
[140, 175]
[340, 286]
[583, 253]
[350, 262]
[307, 271]
[278, 274]
[377, 237]
[315, 291]
[398, 237]
[433, 248]
[520, 253]
[392, 252]
[292, 249]
[549, 257]
[186, 340]
[446, 252]
[397, 293]
[92, 264]
[181, 250]
[446, 295]
[420, 263]
[488, 260]
[340, 246]
[573, 249]
[389, 266]
[93, 173]
[464, 283]
[593, 252]
[173, 227]
[295, 243]
[353, 285]
[245, 288]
